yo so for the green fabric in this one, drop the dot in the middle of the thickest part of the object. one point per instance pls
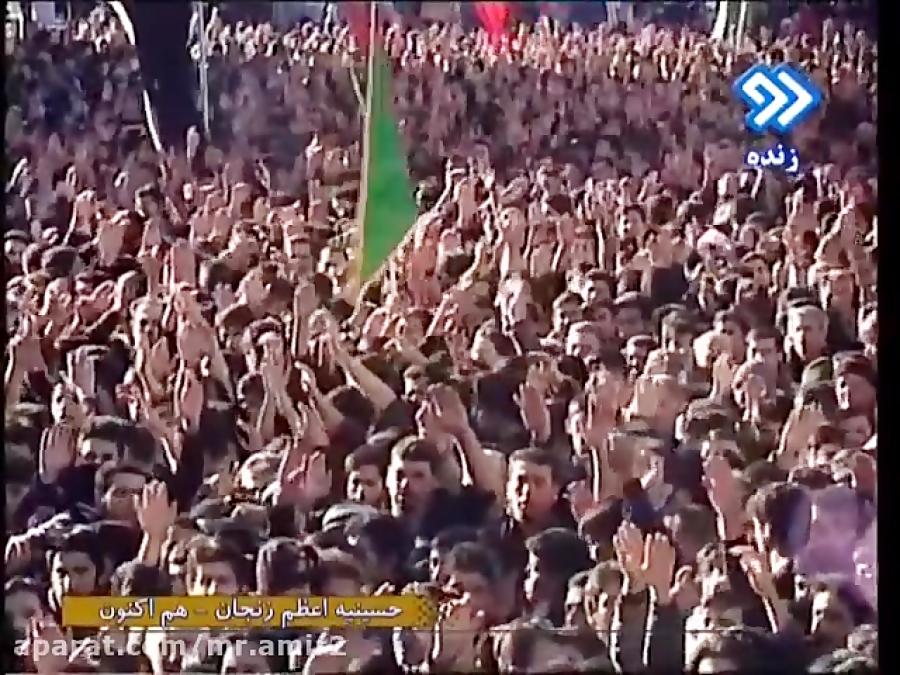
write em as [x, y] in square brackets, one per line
[386, 208]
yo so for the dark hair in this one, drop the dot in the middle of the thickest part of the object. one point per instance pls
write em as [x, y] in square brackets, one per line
[592, 311]
[383, 367]
[284, 564]
[25, 426]
[812, 477]
[83, 540]
[611, 360]
[216, 273]
[115, 430]
[446, 539]
[632, 208]
[59, 261]
[563, 552]
[411, 449]
[388, 539]
[136, 578]
[204, 550]
[323, 286]
[541, 457]
[475, 558]
[574, 368]
[351, 402]
[601, 523]
[236, 318]
[664, 312]
[732, 316]
[329, 570]
[828, 434]
[594, 274]
[280, 289]
[120, 542]
[762, 472]
[632, 300]
[369, 454]
[502, 343]
[699, 521]
[660, 210]
[787, 509]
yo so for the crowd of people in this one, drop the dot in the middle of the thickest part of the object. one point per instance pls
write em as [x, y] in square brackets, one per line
[611, 405]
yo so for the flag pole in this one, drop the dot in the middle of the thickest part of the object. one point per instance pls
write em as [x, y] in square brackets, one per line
[721, 22]
[354, 283]
[204, 66]
[387, 270]
[741, 23]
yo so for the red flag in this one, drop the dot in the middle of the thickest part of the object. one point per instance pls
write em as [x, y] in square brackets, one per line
[358, 18]
[494, 16]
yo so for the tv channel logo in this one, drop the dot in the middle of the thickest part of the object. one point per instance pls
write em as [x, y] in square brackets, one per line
[779, 98]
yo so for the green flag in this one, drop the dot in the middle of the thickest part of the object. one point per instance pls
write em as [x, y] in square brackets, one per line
[386, 207]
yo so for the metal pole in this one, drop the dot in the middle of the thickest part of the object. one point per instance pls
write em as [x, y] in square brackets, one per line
[741, 23]
[721, 23]
[204, 65]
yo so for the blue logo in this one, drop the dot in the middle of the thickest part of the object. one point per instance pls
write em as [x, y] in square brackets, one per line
[778, 98]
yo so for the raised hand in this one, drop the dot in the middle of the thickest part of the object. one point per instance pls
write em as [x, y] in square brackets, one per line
[759, 573]
[192, 342]
[85, 206]
[159, 361]
[532, 402]
[723, 372]
[57, 451]
[685, 592]
[26, 348]
[864, 471]
[801, 424]
[450, 413]
[155, 513]
[303, 479]
[189, 397]
[659, 565]
[629, 548]
[645, 400]
[721, 484]
[455, 633]
[83, 372]
[305, 300]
